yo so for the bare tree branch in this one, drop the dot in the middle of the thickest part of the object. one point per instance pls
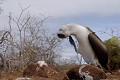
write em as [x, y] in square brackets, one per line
[4, 37]
[111, 32]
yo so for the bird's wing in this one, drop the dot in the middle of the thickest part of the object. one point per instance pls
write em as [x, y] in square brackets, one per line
[99, 48]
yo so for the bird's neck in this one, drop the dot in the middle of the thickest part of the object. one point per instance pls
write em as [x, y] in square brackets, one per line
[81, 34]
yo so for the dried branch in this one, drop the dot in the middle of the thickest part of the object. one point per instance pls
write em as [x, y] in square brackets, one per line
[4, 37]
[111, 32]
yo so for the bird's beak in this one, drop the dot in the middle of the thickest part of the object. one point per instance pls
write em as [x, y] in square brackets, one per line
[61, 34]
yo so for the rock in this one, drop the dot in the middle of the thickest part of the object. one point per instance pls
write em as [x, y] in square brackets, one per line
[42, 63]
[85, 72]
[43, 71]
[22, 78]
[35, 69]
[34, 78]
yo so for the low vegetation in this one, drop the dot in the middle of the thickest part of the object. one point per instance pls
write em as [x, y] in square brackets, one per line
[113, 46]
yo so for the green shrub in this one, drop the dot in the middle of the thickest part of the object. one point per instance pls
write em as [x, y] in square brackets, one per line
[113, 46]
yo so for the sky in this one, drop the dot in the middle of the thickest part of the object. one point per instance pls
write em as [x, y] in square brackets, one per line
[98, 15]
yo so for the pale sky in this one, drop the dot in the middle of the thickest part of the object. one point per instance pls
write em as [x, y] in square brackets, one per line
[63, 8]
[96, 14]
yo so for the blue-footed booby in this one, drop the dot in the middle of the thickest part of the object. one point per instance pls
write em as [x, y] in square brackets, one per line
[90, 45]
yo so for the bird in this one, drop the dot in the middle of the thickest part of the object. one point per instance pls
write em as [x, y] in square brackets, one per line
[90, 46]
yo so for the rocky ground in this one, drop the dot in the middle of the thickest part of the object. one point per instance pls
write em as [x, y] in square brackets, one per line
[52, 73]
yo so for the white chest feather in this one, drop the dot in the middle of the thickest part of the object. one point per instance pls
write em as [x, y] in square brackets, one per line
[85, 48]
[86, 51]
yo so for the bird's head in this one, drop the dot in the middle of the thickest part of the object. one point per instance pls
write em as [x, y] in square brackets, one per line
[65, 31]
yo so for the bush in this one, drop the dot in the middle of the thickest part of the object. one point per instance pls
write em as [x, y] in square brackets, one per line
[113, 46]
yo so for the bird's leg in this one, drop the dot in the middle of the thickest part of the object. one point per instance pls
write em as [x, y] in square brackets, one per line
[96, 63]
